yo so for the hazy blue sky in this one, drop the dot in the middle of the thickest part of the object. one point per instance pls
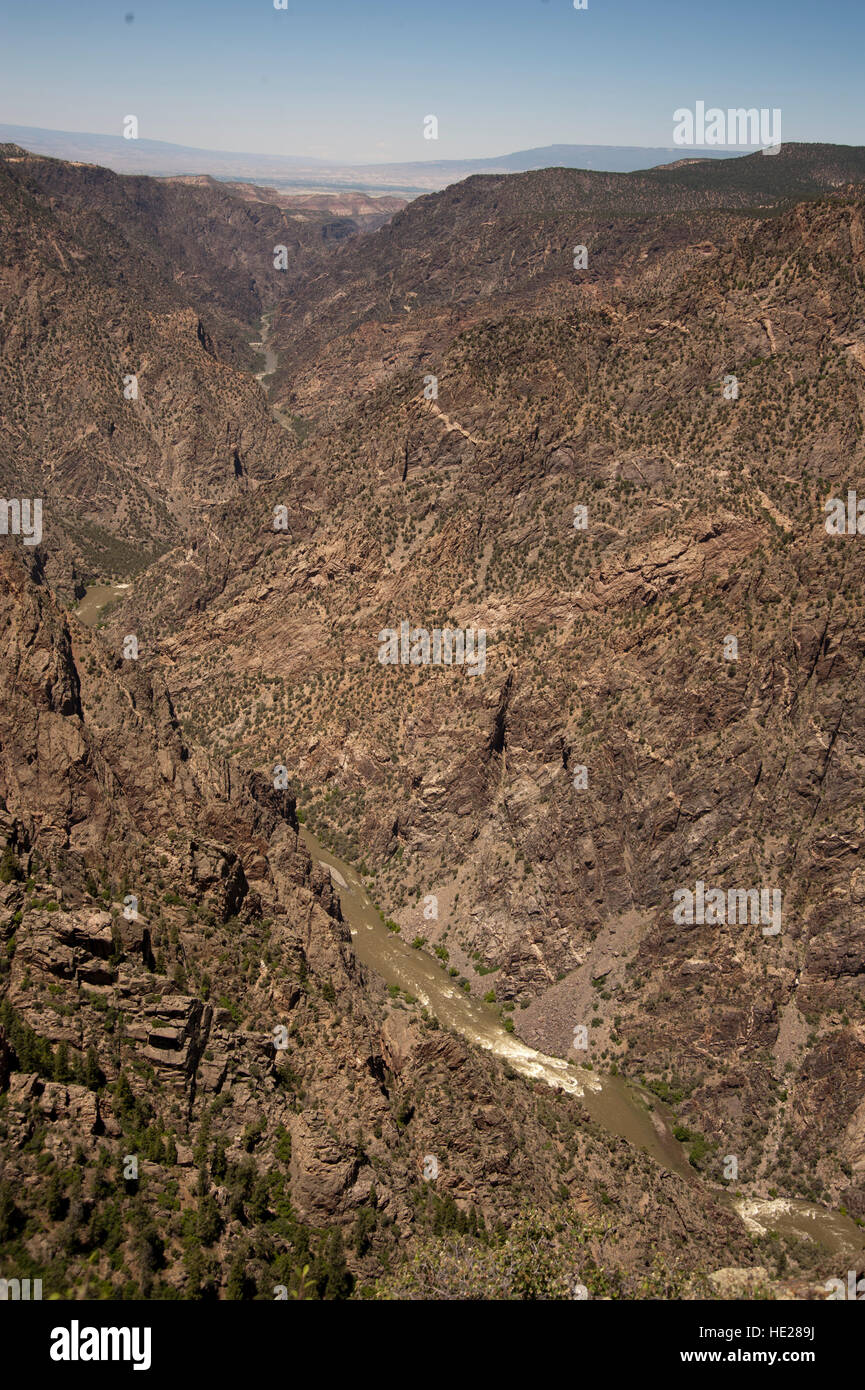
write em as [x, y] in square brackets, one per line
[353, 79]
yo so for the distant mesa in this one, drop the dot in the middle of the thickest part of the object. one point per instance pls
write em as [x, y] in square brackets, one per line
[163, 159]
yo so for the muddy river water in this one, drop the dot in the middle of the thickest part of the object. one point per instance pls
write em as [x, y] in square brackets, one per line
[618, 1106]
[96, 598]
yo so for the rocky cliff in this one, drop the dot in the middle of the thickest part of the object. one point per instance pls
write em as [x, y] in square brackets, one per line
[613, 468]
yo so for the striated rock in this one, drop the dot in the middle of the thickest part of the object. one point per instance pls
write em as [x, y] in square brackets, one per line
[225, 1022]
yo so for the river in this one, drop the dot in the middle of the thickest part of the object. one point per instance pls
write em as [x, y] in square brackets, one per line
[96, 599]
[262, 346]
[617, 1105]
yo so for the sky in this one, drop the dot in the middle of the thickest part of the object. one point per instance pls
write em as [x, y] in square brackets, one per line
[353, 80]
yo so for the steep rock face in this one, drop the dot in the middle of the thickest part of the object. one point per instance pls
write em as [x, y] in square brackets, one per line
[179, 990]
[161, 233]
[159, 918]
[127, 309]
[453, 258]
[606, 648]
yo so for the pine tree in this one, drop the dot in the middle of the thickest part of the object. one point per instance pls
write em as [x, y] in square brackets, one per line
[239, 1284]
[62, 1069]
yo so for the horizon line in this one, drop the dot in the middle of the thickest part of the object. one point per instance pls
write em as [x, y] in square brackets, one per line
[682, 152]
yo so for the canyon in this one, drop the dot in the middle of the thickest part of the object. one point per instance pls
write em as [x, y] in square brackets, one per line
[307, 906]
